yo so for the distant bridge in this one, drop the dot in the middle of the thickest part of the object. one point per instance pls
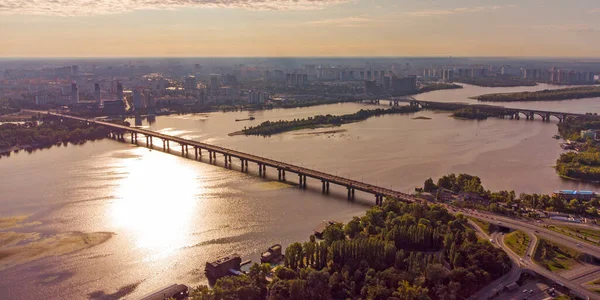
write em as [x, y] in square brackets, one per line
[513, 113]
[119, 132]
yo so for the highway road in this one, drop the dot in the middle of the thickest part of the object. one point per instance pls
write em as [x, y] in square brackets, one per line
[527, 261]
[497, 285]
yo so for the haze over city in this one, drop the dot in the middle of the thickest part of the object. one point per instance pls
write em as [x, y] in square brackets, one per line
[299, 149]
[157, 28]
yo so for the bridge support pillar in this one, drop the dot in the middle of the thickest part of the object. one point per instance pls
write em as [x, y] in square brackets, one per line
[199, 152]
[264, 171]
[210, 156]
[229, 158]
[147, 142]
[547, 117]
[260, 170]
[186, 150]
[279, 174]
[323, 182]
[350, 194]
[300, 184]
[327, 187]
[135, 137]
[283, 175]
[517, 116]
[151, 142]
[246, 163]
[131, 137]
[215, 156]
[182, 150]
[164, 146]
[196, 152]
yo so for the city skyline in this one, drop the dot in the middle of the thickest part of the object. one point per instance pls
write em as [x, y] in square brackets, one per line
[280, 28]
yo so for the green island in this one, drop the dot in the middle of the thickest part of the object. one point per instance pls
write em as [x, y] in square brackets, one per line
[517, 241]
[555, 257]
[583, 165]
[496, 81]
[44, 132]
[472, 113]
[396, 251]
[438, 86]
[269, 128]
[544, 95]
[467, 191]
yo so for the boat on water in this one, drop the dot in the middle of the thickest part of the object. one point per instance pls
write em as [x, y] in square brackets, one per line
[247, 119]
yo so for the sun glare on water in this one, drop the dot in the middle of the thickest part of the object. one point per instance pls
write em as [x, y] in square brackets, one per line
[156, 201]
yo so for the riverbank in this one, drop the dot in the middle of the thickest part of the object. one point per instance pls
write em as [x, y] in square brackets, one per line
[544, 95]
[498, 81]
[269, 128]
[44, 132]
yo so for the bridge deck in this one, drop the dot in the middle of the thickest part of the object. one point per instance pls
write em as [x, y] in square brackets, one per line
[357, 185]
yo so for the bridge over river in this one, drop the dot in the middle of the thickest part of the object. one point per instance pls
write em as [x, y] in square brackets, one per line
[119, 132]
[501, 111]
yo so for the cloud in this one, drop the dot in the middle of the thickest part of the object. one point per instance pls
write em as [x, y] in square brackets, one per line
[343, 22]
[446, 12]
[580, 28]
[94, 7]
[570, 28]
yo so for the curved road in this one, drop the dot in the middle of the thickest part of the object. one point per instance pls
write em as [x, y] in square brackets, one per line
[527, 262]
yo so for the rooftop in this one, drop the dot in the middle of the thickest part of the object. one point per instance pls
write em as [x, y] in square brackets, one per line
[573, 192]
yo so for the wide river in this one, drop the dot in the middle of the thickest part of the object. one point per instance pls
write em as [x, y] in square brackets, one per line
[170, 215]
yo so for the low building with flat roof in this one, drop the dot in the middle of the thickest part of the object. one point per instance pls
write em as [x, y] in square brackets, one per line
[572, 194]
[220, 267]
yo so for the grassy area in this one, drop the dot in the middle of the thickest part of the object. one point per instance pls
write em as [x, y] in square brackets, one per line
[555, 257]
[487, 227]
[517, 241]
[583, 234]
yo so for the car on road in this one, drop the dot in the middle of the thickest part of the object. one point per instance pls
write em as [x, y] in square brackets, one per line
[578, 245]
[524, 291]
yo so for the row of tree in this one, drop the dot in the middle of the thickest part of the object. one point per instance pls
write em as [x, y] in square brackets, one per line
[395, 251]
[269, 128]
[44, 131]
[498, 201]
[544, 95]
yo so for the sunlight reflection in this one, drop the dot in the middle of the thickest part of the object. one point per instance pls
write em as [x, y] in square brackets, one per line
[156, 202]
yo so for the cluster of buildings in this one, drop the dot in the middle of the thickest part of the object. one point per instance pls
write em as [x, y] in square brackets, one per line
[391, 85]
[553, 75]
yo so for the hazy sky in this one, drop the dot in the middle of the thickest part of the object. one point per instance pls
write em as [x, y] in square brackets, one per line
[93, 28]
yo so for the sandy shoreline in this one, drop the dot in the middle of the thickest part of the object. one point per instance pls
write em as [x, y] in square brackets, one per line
[17, 248]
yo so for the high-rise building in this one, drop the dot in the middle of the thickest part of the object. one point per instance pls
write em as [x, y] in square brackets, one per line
[97, 93]
[74, 93]
[448, 75]
[138, 101]
[119, 91]
[190, 83]
[214, 84]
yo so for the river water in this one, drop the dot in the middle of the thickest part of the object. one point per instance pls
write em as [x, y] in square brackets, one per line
[170, 215]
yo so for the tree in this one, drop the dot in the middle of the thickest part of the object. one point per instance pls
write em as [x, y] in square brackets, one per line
[333, 232]
[429, 186]
[406, 291]
[353, 228]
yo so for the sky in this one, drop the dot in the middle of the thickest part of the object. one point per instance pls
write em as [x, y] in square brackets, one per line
[213, 28]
